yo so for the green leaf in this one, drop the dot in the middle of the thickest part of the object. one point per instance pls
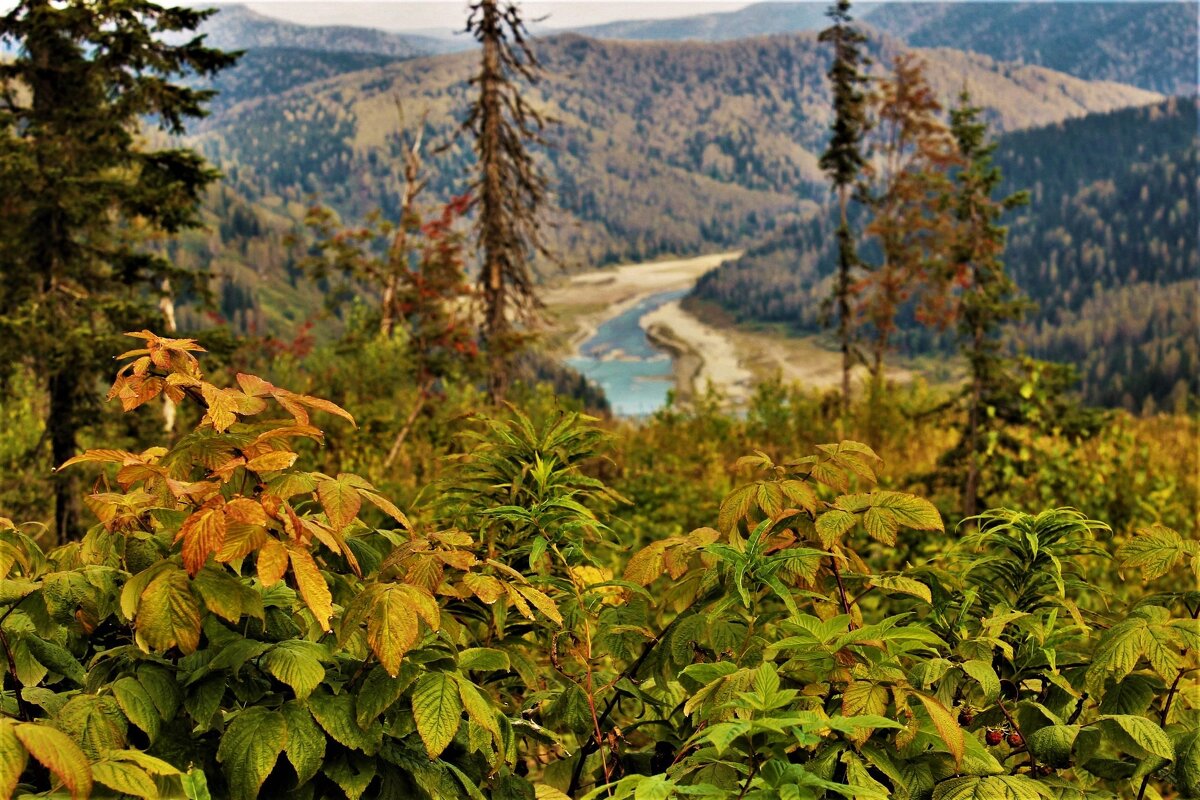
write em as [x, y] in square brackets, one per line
[96, 723]
[983, 674]
[296, 663]
[162, 687]
[392, 622]
[168, 614]
[56, 658]
[138, 706]
[380, 690]
[437, 710]
[903, 585]
[482, 659]
[249, 749]
[832, 525]
[55, 751]
[124, 778]
[305, 741]
[13, 759]
[335, 714]
[1138, 735]
[477, 706]
[1187, 763]
[1053, 743]
[992, 787]
[352, 775]
[1156, 550]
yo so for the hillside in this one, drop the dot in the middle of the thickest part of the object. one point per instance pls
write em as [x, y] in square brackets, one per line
[1108, 249]
[682, 148]
[236, 27]
[1152, 45]
[1148, 44]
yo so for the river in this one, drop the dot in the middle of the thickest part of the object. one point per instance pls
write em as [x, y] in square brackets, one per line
[634, 374]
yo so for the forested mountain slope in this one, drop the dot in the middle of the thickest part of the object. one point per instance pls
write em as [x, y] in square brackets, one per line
[1107, 249]
[1152, 44]
[680, 148]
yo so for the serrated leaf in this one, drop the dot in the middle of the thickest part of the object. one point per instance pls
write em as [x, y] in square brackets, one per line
[272, 462]
[202, 533]
[124, 778]
[137, 706]
[272, 562]
[379, 691]
[985, 675]
[1155, 550]
[1053, 743]
[305, 747]
[13, 759]
[249, 749]
[340, 500]
[335, 714]
[903, 585]
[1139, 734]
[312, 586]
[832, 525]
[168, 614]
[437, 710]
[1187, 763]
[95, 723]
[56, 658]
[992, 787]
[296, 663]
[55, 751]
[946, 726]
[483, 659]
[392, 622]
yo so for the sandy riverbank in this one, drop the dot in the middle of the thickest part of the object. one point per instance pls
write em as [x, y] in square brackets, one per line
[704, 354]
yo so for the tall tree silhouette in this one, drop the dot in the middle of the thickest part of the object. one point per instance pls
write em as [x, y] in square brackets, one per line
[508, 188]
[84, 184]
[989, 297]
[843, 160]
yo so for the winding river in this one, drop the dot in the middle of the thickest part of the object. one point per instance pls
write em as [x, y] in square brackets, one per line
[634, 374]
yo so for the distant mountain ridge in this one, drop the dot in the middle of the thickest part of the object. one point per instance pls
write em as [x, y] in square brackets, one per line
[1151, 44]
[236, 27]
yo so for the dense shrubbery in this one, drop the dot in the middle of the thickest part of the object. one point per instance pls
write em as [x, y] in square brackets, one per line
[239, 626]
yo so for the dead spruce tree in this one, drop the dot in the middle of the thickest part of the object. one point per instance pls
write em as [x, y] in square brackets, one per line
[508, 188]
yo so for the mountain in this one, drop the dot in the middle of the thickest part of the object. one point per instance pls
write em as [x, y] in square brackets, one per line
[680, 148]
[759, 19]
[236, 27]
[1107, 249]
[268, 71]
[1152, 45]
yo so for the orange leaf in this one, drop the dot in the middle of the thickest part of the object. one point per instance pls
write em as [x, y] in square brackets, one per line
[340, 500]
[202, 533]
[272, 562]
[312, 586]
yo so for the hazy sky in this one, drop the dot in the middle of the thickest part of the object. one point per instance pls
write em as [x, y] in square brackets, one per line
[448, 15]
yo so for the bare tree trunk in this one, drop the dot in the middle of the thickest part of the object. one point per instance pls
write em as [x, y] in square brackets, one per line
[64, 426]
[422, 397]
[970, 499]
[491, 205]
[166, 304]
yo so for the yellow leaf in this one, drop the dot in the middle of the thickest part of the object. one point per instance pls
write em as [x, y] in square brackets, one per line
[13, 759]
[340, 500]
[57, 753]
[391, 628]
[946, 725]
[168, 614]
[272, 462]
[312, 586]
[272, 561]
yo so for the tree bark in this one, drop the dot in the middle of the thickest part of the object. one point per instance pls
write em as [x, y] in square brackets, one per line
[63, 423]
[970, 499]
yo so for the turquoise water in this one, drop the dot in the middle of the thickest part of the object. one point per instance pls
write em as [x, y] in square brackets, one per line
[634, 374]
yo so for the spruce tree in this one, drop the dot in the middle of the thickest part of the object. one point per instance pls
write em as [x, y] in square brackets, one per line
[843, 160]
[989, 297]
[84, 182]
[508, 188]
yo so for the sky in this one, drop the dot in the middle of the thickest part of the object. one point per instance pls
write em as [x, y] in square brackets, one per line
[447, 15]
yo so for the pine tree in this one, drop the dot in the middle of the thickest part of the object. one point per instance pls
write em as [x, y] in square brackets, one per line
[843, 160]
[509, 188]
[989, 297]
[83, 184]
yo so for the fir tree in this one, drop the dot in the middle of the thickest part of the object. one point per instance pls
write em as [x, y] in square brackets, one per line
[843, 160]
[989, 297]
[83, 184]
[509, 188]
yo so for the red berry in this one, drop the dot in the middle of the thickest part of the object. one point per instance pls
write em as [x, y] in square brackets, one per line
[994, 737]
[965, 717]
[1015, 740]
